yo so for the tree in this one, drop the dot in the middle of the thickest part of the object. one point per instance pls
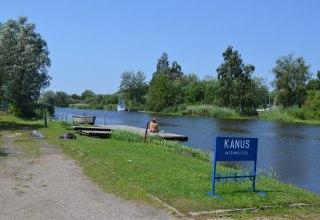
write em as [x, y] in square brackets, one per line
[291, 77]
[175, 71]
[24, 64]
[61, 99]
[134, 87]
[48, 97]
[87, 94]
[164, 85]
[162, 64]
[314, 84]
[161, 93]
[234, 80]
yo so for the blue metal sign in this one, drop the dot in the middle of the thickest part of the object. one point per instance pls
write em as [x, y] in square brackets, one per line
[235, 149]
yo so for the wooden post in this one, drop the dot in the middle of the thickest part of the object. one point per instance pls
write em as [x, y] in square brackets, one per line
[145, 133]
[45, 118]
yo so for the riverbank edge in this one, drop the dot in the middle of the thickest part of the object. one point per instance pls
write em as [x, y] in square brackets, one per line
[239, 117]
[276, 115]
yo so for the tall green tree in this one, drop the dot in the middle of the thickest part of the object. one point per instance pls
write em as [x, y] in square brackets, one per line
[291, 77]
[61, 99]
[164, 85]
[134, 87]
[162, 64]
[161, 93]
[234, 80]
[87, 94]
[175, 71]
[24, 63]
[48, 97]
[314, 84]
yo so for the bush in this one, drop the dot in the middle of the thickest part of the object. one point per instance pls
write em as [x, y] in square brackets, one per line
[110, 107]
[300, 113]
[276, 115]
[210, 111]
[172, 109]
[126, 136]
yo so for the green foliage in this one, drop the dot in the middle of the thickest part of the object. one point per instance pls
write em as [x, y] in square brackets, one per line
[313, 100]
[165, 87]
[24, 63]
[110, 107]
[61, 99]
[65, 124]
[234, 80]
[180, 149]
[135, 88]
[276, 115]
[291, 76]
[127, 136]
[157, 140]
[210, 111]
[300, 113]
[87, 94]
[161, 93]
[79, 106]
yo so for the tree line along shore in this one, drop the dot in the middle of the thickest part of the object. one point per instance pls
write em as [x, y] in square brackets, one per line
[232, 90]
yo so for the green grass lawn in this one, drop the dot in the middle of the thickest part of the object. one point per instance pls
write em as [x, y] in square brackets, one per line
[135, 170]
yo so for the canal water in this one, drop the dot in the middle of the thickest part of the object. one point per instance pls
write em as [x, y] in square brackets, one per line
[291, 150]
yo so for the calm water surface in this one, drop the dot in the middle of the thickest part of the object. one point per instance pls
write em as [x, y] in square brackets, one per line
[292, 150]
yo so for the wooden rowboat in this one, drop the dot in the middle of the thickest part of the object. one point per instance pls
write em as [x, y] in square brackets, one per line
[83, 119]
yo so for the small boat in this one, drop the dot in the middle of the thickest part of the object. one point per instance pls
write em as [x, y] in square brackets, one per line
[121, 105]
[84, 119]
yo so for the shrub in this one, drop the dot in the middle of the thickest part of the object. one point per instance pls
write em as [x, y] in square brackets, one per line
[126, 136]
[275, 115]
[210, 111]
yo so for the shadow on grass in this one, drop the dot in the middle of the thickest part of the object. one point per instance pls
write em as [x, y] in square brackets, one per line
[248, 192]
[11, 126]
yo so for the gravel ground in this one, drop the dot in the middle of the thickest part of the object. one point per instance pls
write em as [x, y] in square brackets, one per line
[54, 187]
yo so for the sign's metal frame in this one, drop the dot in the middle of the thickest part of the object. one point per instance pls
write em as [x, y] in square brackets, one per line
[235, 149]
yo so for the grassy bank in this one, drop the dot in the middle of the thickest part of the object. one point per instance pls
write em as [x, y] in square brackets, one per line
[291, 115]
[131, 169]
[286, 115]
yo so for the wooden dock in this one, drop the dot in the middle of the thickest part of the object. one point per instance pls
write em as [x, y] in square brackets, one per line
[106, 130]
[141, 131]
[92, 128]
[93, 131]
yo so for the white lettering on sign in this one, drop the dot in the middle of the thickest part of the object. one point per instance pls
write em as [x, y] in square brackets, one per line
[236, 153]
[236, 143]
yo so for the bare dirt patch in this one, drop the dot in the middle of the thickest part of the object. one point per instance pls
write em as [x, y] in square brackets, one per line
[52, 186]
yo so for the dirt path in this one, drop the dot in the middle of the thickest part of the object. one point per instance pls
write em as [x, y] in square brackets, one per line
[53, 187]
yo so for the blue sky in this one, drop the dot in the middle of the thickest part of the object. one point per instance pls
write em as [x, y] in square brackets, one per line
[92, 42]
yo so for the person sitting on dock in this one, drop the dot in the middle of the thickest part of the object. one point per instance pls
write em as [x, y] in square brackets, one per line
[154, 126]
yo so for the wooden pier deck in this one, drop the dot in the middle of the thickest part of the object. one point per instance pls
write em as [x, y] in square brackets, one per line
[92, 128]
[141, 131]
[106, 130]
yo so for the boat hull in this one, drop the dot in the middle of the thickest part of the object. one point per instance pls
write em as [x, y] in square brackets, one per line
[80, 119]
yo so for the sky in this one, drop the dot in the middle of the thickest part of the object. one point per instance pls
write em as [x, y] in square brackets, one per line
[92, 43]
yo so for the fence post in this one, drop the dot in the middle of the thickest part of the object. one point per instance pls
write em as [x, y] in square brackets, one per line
[145, 133]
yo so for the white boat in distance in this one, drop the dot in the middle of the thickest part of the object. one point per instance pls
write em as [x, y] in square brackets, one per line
[121, 105]
[84, 119]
